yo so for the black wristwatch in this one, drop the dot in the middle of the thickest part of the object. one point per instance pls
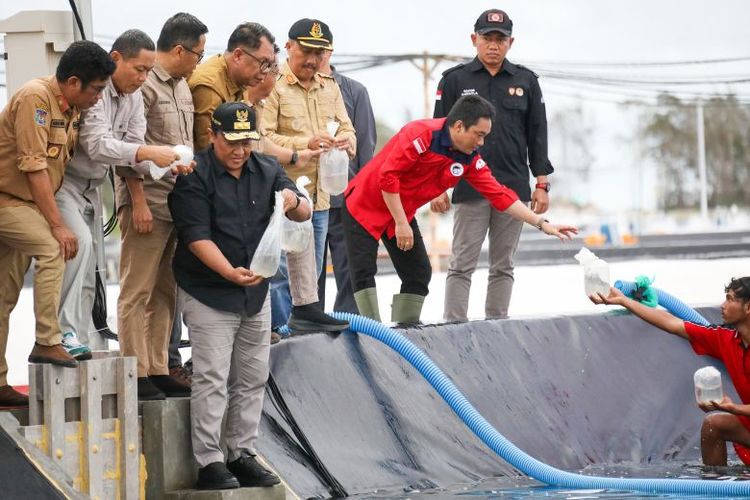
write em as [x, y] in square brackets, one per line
[295, 157]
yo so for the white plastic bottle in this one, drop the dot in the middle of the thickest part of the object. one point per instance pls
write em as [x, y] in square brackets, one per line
[708, 385]
[595, 272]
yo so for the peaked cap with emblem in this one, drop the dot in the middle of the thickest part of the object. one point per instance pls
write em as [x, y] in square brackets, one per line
[493, 20]
[312, 33]
[236, 120]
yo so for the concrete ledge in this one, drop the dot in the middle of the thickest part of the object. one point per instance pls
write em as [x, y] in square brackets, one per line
[277, 492]
[166, 444]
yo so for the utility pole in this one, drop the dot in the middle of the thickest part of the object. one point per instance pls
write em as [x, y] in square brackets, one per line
[427, 70]
[701, 137]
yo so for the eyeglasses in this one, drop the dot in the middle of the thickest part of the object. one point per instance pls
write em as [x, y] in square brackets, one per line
[266, 66]
[199, 54]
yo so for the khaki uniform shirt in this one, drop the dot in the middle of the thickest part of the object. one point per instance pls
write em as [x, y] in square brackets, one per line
[168, 108]
[211, 86]
[38, 131]
[292, 114]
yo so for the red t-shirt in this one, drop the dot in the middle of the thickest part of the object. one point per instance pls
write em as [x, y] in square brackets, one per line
[726, 345]
[419, 164]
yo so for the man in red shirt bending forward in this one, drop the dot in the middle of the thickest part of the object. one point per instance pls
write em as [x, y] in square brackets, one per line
[423, 160]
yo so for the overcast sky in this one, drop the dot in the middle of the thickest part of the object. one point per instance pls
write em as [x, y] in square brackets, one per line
[546, 32]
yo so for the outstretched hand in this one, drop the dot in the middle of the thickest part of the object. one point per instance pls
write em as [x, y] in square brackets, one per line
[614, 298]
[561, 231]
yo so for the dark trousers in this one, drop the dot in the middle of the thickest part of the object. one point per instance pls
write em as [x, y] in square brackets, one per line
[412, 266]
[335, 242]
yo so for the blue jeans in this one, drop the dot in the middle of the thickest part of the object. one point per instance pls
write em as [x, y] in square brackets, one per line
[281, 298]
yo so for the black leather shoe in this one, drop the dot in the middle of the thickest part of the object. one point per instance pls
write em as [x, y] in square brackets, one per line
[172, 387]
[309, 318]
[251, 473]
[216, 476]
[147, 391]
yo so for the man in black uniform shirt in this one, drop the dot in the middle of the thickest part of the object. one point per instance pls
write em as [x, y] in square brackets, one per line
[516, 144]
[221, 211]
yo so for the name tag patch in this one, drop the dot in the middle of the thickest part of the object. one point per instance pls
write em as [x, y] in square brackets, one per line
[58, 123]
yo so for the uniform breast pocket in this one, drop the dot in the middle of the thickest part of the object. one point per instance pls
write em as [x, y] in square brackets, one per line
[516, 103]
[119, 129]
[165, 124]
[326, 109]
[292, 116]
[187, 111]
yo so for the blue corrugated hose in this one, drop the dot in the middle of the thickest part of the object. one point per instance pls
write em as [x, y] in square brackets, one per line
[668, 302]
[507, 450]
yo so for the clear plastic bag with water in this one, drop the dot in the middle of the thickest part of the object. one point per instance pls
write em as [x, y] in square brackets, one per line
[296, 236]
[708, 385]
[334, 166]
[265, 261]
[186, 156]
[595, 272]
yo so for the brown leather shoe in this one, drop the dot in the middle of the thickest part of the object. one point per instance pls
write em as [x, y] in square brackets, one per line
[10, 398]
[179, 373]
[275, 338]
[52, 354]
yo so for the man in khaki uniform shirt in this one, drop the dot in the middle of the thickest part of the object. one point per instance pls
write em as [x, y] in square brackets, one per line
[295, 117]
[223, 78]
[146, 306]
[38, 133]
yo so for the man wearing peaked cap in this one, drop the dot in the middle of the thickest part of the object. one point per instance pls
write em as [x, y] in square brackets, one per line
[295, 116]
[221, 211]
[312, 33]
[515, 147]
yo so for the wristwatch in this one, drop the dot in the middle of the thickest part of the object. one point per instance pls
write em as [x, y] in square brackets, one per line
[543, 185]
[295, 157]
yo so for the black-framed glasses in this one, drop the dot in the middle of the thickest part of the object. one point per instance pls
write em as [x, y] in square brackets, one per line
[266, 66]
[199, 54]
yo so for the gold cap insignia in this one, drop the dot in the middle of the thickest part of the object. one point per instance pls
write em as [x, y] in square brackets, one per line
[316, 31]
[242, 115]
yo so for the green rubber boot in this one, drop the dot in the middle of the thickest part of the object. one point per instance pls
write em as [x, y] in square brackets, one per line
[406, 308]
[367, 303]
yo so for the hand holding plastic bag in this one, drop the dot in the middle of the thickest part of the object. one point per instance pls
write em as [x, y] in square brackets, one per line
[334, 166]
[296, 236]
[268, 254]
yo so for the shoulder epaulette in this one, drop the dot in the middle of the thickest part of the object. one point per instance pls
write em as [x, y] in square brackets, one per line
[454, 68]
[527, 69]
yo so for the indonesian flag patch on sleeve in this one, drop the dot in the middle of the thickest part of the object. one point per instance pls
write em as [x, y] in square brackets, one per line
[438, 95]
[419, 145]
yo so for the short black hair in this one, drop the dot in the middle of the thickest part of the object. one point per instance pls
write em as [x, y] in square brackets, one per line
[131, 43]
[85, 60]
[740, 287]
[249, 35]
[181, 29]
[469, 109]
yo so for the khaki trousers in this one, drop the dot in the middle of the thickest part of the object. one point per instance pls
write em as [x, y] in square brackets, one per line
[230, 369]
[471, 222]
[25, 234]
[145, 308]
